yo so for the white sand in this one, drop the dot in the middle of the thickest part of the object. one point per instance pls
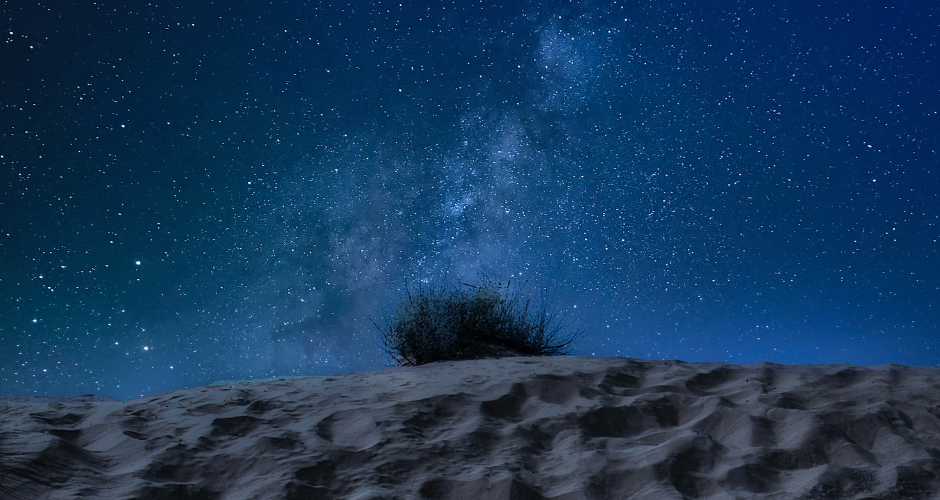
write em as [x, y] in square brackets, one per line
[521, 428]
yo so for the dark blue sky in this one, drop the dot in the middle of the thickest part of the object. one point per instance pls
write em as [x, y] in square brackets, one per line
[195, 191]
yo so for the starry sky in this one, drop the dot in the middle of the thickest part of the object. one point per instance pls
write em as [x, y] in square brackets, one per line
[193, 191]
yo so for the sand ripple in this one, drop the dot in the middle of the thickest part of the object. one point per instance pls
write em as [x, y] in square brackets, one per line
[520, 428]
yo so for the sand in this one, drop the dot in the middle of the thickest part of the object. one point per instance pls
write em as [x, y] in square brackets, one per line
[514, 428]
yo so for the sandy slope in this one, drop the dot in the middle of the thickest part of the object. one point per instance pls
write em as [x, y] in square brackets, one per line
[521, 428]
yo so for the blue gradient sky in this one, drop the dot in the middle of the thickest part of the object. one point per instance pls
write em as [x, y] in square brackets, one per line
[199, 191]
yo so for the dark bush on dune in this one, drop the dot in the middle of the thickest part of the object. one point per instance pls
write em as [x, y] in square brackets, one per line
[471, 322]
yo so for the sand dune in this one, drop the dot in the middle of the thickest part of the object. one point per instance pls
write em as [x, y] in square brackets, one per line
[519, 428]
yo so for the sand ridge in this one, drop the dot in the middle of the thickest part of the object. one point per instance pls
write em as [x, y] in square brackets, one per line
[527, 428]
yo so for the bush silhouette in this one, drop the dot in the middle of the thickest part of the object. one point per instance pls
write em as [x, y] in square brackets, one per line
[472, 322]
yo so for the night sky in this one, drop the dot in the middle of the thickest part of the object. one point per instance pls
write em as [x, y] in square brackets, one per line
[193, 191]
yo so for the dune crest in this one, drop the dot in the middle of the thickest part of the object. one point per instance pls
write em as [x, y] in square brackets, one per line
[523, 428]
